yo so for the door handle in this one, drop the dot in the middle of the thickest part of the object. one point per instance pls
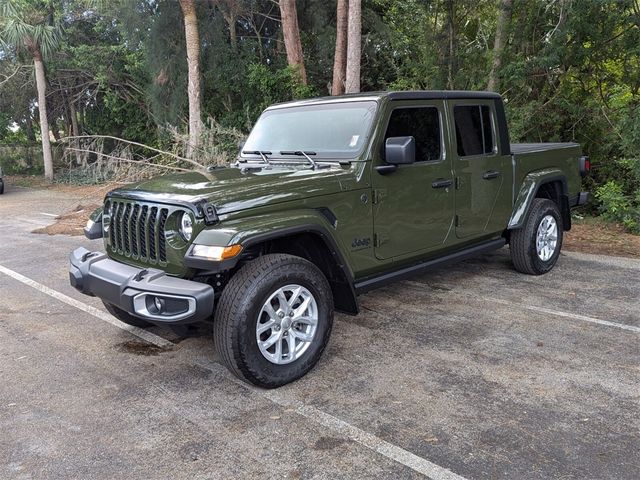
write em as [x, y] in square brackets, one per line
[442, 183]
[490, 174]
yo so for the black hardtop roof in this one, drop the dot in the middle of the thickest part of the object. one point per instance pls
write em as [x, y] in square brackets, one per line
[395, 95]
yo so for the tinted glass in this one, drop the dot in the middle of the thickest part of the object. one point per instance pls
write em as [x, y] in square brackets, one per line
[474, 134]
[421, 123]
[334, 130]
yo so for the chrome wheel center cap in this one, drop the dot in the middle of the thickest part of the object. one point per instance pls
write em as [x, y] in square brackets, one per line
[286, 324]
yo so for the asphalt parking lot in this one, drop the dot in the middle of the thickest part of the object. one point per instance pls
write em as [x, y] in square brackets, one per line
[474, 371]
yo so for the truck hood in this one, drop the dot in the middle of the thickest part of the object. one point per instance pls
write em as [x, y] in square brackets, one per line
[232, 189]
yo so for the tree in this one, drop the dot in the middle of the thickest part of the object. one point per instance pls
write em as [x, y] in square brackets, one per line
[498, 47]
[291, 33]
[354, 47]
[193, 64]
[340, 58]
[30, 26]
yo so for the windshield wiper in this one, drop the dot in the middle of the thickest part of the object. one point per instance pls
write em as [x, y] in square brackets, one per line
[262, 153]
[300, 153]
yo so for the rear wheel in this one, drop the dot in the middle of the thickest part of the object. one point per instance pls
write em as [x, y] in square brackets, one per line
[535, 247]
[273, 320]
[125, 317]
[1, 187]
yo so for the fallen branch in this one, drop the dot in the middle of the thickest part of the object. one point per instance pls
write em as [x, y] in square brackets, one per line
[153, 149]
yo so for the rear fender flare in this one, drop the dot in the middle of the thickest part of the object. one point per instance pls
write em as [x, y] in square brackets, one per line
[528, 191]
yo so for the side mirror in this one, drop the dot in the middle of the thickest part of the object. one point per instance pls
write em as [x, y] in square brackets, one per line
[400, 150]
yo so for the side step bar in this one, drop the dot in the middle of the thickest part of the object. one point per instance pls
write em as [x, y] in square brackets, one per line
[370, 283]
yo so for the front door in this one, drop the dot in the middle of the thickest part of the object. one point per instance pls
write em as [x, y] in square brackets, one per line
[414, 205]
[483, 174]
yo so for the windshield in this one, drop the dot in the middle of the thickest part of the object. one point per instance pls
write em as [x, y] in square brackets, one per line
[335, 130]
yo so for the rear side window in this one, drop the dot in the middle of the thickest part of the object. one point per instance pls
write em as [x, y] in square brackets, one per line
[421, 123]
[473, 130]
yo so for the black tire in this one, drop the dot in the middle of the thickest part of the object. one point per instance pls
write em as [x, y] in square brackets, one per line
[124, 317]
[524, 254]
[238, 312]
[1, 187]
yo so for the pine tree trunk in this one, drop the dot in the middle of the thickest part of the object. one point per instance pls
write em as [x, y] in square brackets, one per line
[41, 85]
[354, 47]
[498, 47]
[193, 62]
[340, 58]
[291, 33]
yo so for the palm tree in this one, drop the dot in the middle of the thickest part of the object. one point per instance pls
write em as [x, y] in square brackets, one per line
[192, 38]
[28, 25]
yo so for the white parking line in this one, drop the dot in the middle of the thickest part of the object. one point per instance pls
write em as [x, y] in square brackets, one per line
[535, 308]
[389, 450]
[346, 430]
[559, 313]
[138, 332]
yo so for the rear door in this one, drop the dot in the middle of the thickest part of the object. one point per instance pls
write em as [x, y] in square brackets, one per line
[483, 174]
[414, 205]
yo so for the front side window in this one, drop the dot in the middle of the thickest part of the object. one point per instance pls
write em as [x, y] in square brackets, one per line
[423, 124]
[474, 133]
[331, 130]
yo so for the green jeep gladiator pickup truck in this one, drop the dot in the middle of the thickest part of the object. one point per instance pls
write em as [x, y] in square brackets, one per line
[328, 198]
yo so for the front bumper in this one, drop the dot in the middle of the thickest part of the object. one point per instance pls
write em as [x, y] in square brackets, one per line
[149, 294]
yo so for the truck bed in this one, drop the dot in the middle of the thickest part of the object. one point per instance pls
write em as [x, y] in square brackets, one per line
[532, 157]
[520, 148]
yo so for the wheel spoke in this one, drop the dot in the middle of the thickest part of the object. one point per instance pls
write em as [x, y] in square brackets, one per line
[294, 296]
[305, 320]
[291, 343]
[278, 353]
[302, 336]
[263, 327]
[271, 340]
[302, 308]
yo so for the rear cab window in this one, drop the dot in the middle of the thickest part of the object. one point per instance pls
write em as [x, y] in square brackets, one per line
[474, 130]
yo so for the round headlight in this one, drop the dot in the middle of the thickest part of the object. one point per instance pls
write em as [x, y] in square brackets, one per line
[186, 226]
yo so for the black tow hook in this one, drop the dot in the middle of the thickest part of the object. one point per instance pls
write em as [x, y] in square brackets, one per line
[88, 255]
[140, 275]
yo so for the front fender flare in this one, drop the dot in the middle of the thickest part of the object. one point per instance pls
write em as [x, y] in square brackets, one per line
[528, 191]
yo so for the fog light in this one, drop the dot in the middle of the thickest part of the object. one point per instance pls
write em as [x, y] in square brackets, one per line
[159, 304]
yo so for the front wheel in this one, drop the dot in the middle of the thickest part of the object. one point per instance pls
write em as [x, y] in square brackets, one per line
[535, 247]
[273, 320]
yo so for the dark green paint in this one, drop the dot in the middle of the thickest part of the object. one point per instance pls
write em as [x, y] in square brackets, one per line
[402, 215]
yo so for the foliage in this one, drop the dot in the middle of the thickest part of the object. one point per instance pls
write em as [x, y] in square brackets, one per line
[570, 71]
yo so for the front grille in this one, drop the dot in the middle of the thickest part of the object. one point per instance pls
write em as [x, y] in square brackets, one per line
[138, 231]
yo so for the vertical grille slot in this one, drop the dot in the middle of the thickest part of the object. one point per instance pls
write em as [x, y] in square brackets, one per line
[135, 231]
[118, 226]
[162, 247]
[142, 228]
[126, 239]
[153, 223]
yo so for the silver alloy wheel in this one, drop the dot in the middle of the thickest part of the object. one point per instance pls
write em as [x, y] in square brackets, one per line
[287, 324]
[547, 238]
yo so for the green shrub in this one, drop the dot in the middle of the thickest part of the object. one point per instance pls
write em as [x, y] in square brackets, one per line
[619, 206]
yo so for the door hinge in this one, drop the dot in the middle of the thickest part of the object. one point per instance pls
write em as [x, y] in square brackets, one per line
[457, 221]
[377, 195]
[379, 239]
[457, 183]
